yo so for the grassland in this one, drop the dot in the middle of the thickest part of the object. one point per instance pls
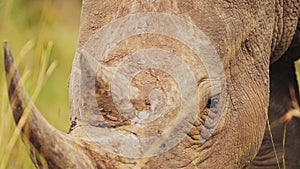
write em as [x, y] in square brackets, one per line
[43, 37]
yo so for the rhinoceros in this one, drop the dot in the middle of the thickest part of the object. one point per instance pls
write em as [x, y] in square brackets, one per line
[173, 84]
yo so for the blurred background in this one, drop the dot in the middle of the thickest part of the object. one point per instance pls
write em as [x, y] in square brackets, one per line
[43, 37]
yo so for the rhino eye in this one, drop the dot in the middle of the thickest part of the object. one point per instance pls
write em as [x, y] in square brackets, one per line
[212, 102]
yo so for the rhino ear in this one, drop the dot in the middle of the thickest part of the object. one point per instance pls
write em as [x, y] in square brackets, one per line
[58, 149]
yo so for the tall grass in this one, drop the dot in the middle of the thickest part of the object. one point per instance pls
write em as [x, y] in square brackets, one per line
[43, 38]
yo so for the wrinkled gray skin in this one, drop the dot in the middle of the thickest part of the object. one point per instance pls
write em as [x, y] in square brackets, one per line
[283, 77]
[250, 37]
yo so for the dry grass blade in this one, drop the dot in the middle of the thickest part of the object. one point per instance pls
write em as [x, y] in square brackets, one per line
[295, 112]
[43, 76]
[292, 113]
[273, 144]
[31, 35]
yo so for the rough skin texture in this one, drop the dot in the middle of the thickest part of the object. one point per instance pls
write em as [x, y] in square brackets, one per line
[249, 36]
[282, 77]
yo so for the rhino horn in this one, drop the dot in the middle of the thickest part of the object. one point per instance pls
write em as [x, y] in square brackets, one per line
[48, 146]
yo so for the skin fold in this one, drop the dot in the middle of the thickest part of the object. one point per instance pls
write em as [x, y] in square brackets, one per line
[257, 44]
[282, 79]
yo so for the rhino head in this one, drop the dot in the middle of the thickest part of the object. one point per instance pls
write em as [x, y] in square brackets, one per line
[162, 84]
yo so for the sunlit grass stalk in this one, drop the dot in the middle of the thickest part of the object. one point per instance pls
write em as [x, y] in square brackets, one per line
[44, 74]
[273, 144]
[283, 146]
[13, 139]
[41, 27]
[3, 122]
[16, 133]
[24, 51]
[42, 77]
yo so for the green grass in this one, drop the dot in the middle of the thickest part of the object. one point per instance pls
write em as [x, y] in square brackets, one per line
[297, 65]
[43, 37]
